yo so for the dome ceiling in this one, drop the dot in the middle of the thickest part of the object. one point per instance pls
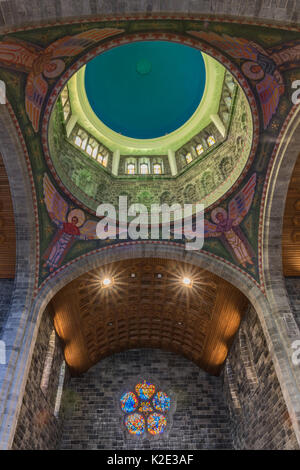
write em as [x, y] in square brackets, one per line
[142, 90]
[150, 96]
[37, 63]
[204, 170]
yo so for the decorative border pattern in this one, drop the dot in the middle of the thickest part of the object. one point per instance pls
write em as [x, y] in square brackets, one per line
[150, 17]
[30, 174]
[142, 242]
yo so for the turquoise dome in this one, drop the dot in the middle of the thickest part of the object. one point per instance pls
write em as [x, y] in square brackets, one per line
[145, 90]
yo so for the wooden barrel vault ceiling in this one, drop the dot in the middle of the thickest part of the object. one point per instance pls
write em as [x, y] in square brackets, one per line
[291, 226]
[7, 228]
[148, 306]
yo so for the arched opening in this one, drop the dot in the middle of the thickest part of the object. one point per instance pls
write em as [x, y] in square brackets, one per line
[165, 322]
[153, 303]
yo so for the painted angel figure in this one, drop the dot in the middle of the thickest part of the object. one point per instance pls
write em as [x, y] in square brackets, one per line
[71, 226]
[263, 66]
[226, 225]
[41, 64]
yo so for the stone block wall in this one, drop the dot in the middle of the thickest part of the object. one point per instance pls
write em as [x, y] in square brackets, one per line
[6, 290]
[20, 11]
[37, 427]
[259, 416]
[293, 289]
[201, 419]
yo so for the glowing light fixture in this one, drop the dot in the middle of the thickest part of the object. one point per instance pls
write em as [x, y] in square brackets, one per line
[186, 281]
[107, 282]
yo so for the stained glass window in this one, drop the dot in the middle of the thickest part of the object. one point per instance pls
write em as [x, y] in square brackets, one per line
[60, 388]
[146, 409]
[157, 169]
[81, 139]
[211, 140]
[156, 423]
[91, 146]
[65, 103]
[188, 157]
[135, 424]
[48, 363]
[199, 149]
[144, 169]
[161, 401]
[129, 402]
[130, 169]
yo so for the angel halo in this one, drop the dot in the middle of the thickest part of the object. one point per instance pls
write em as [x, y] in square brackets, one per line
[215, 212]
[79, 215]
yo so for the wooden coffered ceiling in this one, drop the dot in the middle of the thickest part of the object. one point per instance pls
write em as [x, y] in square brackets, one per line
[291, 226]
[148, 306]
[7, 228]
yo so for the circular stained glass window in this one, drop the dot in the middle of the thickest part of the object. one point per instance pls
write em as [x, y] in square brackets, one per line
[147, 412]
[145, 390]
[156, 423]
[161, 401]
[129, 402]
[135, 424]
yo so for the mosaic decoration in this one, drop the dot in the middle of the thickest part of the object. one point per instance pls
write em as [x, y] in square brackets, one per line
[150, 417]
[226, 225]
[42, 64]
[261, 65]
[129, 402]
[71, 224]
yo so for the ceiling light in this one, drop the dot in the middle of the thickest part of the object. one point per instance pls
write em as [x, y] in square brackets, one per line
[186, 281]
[106, 282]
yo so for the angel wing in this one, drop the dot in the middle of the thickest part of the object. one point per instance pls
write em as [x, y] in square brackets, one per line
[239, 48]
[210, 229]
[89, 229]
[269, 92]
[56, 205]
[241, 203]
[35, 92]
[17, 55]
[73, 45]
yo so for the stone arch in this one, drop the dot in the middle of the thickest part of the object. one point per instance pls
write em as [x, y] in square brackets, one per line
[279, 313]
[18, 12]
[232, 385]
[19, 329]
[247, 359]
[279, 352]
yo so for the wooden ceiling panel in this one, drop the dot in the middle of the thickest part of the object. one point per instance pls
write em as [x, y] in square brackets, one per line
[7, 228]
[291, 226]
[148, 306]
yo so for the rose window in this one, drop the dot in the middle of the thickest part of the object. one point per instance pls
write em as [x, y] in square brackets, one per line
[146, 410]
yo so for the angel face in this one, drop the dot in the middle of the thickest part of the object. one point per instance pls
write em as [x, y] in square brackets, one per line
[220, 216]
[74, 220]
